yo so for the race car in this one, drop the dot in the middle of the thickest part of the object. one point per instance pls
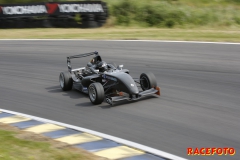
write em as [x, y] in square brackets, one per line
[106, 81]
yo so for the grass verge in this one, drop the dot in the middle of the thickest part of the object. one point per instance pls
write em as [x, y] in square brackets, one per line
[216, 35]
[20, 145]
[175, 13]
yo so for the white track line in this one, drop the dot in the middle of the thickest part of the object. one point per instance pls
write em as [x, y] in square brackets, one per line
[116, 139]
[161, 41]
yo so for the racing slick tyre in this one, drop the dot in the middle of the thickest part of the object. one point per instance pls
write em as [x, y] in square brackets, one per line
[96, 93]
[65, 80]
[148, 81]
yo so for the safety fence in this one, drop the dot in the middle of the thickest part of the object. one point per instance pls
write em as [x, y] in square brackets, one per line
[81, 14]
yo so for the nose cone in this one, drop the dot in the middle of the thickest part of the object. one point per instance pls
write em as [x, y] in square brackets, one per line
[133, 88]
[128, 82]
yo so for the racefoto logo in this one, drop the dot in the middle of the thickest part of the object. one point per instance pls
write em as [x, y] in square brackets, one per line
[211, 151]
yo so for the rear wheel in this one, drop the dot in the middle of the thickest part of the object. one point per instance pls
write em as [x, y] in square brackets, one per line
[65, 80]
[148, 81]
[96, 93]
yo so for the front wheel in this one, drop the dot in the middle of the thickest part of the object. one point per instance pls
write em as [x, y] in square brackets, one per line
[148, 81]
[96, 93]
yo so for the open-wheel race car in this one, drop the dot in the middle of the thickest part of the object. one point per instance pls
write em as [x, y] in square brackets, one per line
[101, 80]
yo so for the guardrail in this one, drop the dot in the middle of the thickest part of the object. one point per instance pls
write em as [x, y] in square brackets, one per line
[82, 14]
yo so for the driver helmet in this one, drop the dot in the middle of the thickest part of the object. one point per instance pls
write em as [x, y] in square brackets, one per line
[92, 61]
[102, 66]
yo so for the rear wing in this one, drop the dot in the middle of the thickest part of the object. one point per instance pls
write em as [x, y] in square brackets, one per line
[78, 56]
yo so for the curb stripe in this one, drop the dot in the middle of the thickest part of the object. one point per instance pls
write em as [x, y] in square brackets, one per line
[124, 150]
[14, 119]
[44, 128]
[61, 133]
[118, 152]
[98, 145]
[78, 138]
[26, 124]
[144, 157]
[3, 115]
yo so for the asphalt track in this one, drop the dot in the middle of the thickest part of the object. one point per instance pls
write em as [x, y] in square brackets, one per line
[200, 86]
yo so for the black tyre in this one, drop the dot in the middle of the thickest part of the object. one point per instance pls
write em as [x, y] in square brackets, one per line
[91, 24]
[148, 81]
[100, 17]
[46, 23]
[96, 93]
[90, 17]
[65, 80]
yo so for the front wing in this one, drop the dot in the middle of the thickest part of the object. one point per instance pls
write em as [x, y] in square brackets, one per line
[152, 91]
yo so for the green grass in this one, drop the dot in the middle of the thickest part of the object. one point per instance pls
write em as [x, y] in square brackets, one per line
[200, 34]
[13, 148]
[175, 13]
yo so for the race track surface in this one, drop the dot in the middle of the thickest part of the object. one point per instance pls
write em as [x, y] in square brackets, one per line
[200, 86]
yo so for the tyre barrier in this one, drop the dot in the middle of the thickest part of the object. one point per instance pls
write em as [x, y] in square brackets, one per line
[88, 22]
[83, 14]
[97, 143]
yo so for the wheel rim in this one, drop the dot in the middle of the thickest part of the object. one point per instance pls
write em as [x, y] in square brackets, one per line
[61, 80]
[92, 93]
[144, 83]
